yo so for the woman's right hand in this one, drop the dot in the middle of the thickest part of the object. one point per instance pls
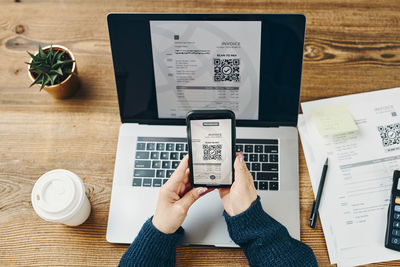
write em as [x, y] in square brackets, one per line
[242, 193]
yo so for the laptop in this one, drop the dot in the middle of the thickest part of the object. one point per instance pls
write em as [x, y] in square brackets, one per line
[168, 64]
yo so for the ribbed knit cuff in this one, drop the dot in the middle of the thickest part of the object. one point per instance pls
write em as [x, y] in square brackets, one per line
[152, 247]
[265, 241]
[249, 224]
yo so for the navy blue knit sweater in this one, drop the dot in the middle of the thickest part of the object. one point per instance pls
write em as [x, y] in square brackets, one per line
[265, 242]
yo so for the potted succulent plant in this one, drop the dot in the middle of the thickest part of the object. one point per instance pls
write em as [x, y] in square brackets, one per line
[53, 67]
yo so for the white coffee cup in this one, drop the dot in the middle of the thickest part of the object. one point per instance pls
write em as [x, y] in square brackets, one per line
[59, 196]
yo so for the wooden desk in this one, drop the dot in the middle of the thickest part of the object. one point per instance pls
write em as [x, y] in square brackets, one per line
[351, 47]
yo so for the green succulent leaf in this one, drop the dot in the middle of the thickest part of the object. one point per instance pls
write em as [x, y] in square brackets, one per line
[35, 81]
[42, 54]
[68, 61]
[43, 84]
[53, 78]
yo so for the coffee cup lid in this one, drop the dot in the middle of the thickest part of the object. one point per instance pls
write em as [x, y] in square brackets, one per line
[57, 194]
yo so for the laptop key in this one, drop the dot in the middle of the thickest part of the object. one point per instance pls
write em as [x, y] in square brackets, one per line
[270, 176]
[182, 155]
[255, 166]
[164, 155]
[258, 148]
[166, 164]
[142, 163]
[170, 147]
[154, 155]
[164, 181]
[180, 147]
[273, 158]
[173, 155]
[140, 146]
[239, 148]
[256, 184]
[137, 182]
[186, 147]
[273, 186]
[147, 182]
[248, 148]
[160, 173]
[248, 165]
[156, 182]
[175, 164]
[156, 164]
[264, 157]
[143, 173]
[395, 241]
[160, 146]
[142, 155]
[263, 185]
[254, 175]
[246, 157]
[253, 157]
[396, 232]
[169, 173]
[270, 149]
[151, 146]
[269, 167]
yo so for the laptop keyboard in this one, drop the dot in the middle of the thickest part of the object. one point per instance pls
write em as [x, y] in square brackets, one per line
[157, 157]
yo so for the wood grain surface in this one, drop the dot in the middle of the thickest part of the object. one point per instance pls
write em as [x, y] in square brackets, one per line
[351, 47]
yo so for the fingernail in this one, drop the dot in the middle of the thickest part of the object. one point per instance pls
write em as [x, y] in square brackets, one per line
[241, 158]
[202, 190]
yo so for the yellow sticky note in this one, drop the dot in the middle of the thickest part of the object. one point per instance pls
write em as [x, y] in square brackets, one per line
[333, 120]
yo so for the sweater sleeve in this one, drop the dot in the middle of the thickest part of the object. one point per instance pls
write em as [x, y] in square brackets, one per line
[152, 247]
[266, 242]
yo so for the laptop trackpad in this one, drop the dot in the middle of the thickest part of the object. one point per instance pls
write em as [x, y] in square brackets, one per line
[205, 224]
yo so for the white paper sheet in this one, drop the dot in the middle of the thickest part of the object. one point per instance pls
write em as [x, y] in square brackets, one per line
[359, 176]
[206, 65]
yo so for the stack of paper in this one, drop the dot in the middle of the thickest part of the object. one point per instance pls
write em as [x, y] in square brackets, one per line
[360, 134]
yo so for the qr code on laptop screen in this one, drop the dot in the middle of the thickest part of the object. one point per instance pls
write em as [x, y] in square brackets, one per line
[212, 152]
[226, 70]
[390, 134]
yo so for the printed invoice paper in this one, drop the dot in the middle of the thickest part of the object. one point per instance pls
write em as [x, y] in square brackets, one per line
[361, 164]
[206, 65]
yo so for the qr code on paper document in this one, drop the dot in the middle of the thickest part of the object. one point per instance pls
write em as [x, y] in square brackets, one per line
[226, 70]
[212, 152]
[390, 134]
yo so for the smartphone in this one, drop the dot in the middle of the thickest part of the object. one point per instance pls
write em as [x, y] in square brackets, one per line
[211, 142]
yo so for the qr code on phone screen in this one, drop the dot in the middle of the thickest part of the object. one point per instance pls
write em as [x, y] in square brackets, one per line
[390, 134]
[212, 152]
[226, 70]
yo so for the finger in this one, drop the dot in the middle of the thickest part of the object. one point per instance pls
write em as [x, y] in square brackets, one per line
[183, 165]
[241, 171]
[179, 173]
[223, 192]
[185, 188]
[186, 178]
[190, 197]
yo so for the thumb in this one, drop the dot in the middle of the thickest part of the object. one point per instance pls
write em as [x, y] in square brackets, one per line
[241, 170]
[190, 197]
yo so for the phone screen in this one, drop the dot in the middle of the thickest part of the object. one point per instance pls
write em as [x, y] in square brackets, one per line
[211, 141]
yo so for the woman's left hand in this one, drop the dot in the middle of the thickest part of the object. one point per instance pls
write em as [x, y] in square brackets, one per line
[175, 198]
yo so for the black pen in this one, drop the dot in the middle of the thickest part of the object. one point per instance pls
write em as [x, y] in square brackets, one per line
[315, 206]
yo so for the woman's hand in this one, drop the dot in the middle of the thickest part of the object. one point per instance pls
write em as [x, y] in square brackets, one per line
[242, 193]
[175, 198]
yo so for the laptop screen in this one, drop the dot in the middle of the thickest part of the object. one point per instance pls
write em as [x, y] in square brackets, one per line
[168, 64]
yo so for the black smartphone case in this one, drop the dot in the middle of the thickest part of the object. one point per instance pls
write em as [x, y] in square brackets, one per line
[204, 115]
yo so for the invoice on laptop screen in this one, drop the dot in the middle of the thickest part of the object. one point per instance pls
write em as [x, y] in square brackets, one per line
[168, 64]
[206, 65]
